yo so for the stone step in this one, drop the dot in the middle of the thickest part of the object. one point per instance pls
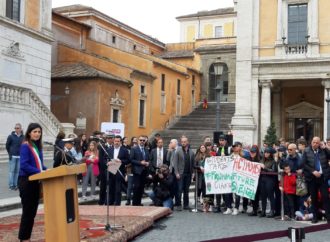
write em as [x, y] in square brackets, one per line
[200, 123]
[48, 153]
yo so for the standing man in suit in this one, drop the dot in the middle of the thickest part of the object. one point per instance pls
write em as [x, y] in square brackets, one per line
[183, 168]
[117, 154]
[158, 156]
[316, 168]
[103, 159]
[140, 164]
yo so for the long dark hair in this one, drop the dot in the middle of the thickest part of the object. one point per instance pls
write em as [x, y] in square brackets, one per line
[29, 129]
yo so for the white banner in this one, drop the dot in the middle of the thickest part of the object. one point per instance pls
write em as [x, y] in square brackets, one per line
[115, 128]
[225, 174]
[217, 172]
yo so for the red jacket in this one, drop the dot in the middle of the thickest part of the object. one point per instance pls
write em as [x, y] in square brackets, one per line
[289, 184]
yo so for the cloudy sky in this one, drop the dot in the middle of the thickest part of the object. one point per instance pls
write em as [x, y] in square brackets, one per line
[153, 17]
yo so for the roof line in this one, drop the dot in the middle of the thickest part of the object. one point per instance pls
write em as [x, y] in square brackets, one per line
[128, 28]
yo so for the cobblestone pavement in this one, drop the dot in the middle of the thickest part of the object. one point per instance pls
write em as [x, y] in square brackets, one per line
[189, 227]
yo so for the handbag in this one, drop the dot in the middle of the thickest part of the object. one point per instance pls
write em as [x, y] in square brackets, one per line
[301, 187]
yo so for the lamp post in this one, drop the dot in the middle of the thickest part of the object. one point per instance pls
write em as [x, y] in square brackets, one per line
[328, 112]
[218, 69]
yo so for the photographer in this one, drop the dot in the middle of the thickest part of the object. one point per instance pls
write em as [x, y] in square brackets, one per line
[163, 182]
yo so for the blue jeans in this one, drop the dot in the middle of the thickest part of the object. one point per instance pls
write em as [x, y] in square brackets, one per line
[168, 203]
[13, 172]
[129, 187]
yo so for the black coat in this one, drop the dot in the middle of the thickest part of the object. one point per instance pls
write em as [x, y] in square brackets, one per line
[62, 158]
[308, 163]
[13, 144]
[123, 155]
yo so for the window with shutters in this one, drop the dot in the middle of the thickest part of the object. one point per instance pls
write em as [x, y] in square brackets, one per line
[13, 9]
[297, 24]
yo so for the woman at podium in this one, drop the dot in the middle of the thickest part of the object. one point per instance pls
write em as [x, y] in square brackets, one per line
[31, 162]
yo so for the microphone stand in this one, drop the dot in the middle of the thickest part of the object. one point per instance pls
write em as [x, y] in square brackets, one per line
[195, 209]
[108, 227]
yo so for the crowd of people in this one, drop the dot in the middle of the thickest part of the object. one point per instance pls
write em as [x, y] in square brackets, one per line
[300, 172]
[170, 170]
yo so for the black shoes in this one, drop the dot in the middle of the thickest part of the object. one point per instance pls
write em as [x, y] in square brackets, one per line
[262, 214]
[254, 213]
[315, 221]
[271, 214]
[128, 203]
[217, 210]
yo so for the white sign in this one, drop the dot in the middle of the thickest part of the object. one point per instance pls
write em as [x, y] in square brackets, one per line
[225, 174]
[115, 128]
[218, 172]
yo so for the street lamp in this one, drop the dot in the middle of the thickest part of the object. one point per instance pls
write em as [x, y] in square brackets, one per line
[328, 112]
[218, 69]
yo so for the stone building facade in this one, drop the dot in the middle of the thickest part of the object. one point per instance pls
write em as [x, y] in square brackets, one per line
[25, 65]
[283, 50]
[211, 38]
[112, 73]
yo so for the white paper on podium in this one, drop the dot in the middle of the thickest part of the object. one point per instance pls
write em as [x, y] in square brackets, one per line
[113, 166]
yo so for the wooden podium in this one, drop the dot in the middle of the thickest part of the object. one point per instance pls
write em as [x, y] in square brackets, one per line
[61, 202]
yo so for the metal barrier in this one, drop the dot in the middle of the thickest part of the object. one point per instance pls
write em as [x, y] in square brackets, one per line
[295, 234]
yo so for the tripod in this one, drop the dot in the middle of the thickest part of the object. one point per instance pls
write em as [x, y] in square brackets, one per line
[108, 227]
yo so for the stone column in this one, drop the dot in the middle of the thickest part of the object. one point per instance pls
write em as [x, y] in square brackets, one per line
[265, 110]
[314, 10]
[317, 129]
[46, 17]
[243, 124]
[326, 84]
[279, 22]
[276, 110]
[291, 130]
[3, 8]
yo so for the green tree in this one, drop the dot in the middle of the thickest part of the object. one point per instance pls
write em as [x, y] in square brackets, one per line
[270, 137]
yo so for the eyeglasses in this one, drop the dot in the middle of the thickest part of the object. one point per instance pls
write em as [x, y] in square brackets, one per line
[142, 140]
[17, 128]
[290, 149]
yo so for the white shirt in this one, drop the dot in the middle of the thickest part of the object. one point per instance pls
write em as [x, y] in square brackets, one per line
[159, 156]
[116, 152]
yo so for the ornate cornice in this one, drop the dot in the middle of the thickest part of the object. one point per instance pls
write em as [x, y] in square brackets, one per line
[25, 30]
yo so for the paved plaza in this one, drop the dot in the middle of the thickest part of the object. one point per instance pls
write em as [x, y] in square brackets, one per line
[186, 226]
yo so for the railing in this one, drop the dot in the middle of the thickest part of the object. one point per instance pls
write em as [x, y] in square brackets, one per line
[24, 96]
[294, 49]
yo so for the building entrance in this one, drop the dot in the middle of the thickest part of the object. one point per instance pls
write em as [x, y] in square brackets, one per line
[304, 127]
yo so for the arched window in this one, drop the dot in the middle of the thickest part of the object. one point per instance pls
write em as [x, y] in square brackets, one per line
[218, 74]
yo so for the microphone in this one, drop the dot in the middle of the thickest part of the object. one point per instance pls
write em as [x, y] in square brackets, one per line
[47, 143]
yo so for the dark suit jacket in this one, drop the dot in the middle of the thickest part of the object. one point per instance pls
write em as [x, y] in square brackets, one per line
[123, 155]
[136, 157]
[308, 163]
[179, 161]
[153, 159]
[103, 158]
